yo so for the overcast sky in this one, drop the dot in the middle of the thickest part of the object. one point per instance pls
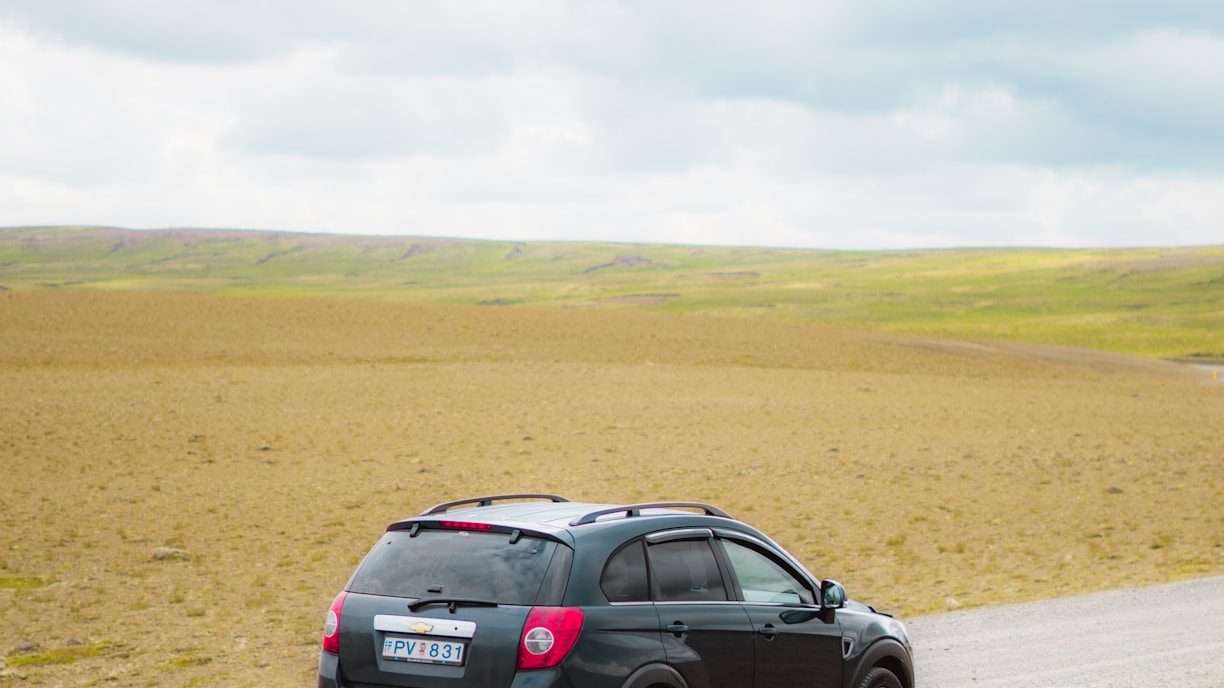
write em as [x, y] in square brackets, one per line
[867, 124]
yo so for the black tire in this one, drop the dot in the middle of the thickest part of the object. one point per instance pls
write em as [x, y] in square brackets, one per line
[879, 677]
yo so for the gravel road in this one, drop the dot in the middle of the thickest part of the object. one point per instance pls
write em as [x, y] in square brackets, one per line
[1216, 372]
[1168, 635]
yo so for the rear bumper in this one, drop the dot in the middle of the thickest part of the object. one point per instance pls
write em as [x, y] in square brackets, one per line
[329, 665]
[540, 678]
[329, 671]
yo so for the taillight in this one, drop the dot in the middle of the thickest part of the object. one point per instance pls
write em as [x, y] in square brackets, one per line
[331, 627]
[548, 636]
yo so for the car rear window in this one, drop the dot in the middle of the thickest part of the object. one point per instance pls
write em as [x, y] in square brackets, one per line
[463, 564]
[624, 577]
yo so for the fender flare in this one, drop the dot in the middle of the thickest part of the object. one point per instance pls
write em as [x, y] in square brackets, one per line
[889, 654]
[655, 675]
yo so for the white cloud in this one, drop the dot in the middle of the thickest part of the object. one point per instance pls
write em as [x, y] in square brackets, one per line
[314, 113]
[1166, 72]
[1099, 207]
[794, 124]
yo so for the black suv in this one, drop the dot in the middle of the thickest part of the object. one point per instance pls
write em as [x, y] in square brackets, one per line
[535, 591]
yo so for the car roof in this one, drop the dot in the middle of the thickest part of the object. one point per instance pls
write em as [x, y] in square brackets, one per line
[551, 513]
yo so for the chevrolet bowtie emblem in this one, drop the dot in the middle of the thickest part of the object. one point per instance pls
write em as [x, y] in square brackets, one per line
[420, 627]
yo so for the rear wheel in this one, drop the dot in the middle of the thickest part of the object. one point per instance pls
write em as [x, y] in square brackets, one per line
[879, 677]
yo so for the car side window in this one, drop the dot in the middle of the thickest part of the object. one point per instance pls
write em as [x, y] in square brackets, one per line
[764, 580]
[624, 576]
[685, 570]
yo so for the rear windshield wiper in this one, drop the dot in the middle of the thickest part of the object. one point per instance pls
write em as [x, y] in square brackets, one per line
[452, 602]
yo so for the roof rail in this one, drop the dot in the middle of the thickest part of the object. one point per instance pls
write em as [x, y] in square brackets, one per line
[488, 501]
[633, 510]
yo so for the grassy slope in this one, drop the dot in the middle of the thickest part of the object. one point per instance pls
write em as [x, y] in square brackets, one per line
[1153, 302]
[271, 437]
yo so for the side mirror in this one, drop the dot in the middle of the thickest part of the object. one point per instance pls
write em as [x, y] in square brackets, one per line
[832, 595]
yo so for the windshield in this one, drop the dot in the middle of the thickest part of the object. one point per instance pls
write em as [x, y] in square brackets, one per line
[456, 564]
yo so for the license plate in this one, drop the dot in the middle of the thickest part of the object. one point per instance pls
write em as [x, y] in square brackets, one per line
[424, 650]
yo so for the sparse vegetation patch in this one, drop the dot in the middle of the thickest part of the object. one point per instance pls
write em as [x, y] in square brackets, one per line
[196, 476]
[25, 582]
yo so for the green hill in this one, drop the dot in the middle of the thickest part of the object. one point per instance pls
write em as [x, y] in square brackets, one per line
[1162, 302]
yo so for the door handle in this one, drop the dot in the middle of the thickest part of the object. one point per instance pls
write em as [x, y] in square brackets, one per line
[678, 628]
[768, 631]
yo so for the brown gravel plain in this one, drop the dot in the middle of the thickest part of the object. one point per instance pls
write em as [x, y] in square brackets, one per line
[271, 440]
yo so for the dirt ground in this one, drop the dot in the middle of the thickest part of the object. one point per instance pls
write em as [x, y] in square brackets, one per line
[187, 482]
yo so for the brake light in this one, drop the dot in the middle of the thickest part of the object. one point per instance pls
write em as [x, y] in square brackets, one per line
[548, 636]
[331, 627]
[466, 525]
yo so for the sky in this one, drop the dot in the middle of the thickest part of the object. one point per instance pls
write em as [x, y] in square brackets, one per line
[872, 124]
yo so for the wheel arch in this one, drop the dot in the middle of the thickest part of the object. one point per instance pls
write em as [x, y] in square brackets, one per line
[886, 654]
[655, 676]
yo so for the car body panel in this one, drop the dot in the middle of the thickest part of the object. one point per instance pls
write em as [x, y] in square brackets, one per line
[801, 643]
[715, 649]
[875, 640]
[490, 656]
[617, 642]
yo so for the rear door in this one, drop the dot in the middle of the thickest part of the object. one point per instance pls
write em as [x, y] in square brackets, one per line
[707, 636]
[445, 605]
[385, 643]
